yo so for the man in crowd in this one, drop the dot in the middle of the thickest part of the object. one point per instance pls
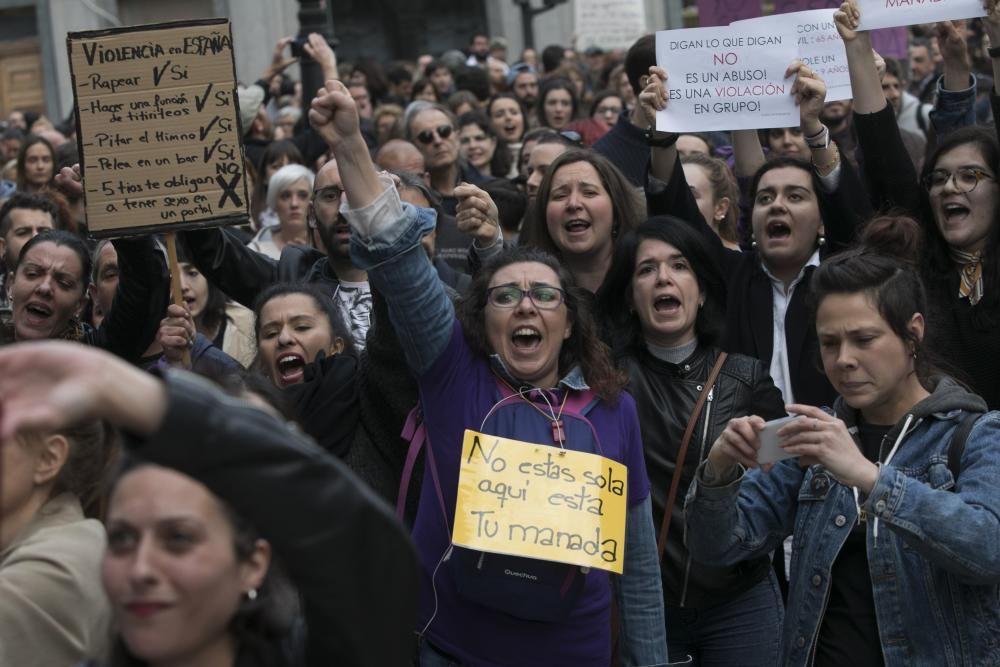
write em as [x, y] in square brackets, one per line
[23, 217]
[479, 49]
[523, 82]
[923, 70]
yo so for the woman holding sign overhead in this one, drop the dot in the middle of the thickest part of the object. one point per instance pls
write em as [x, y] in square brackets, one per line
[892, 499]
[521, 360]
[801, 213]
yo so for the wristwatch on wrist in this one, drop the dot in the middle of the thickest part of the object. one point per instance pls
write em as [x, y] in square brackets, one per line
[660, 139]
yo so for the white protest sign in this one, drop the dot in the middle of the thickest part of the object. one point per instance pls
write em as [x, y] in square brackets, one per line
[893, 13]
[609, 24]
[819, 43]
[726, 78]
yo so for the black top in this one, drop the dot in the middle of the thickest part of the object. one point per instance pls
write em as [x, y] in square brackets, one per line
[962, 335]
[665, 395]
[849, 633]
[749, 299]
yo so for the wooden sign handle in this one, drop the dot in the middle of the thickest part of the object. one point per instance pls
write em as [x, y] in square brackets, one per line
[175, 282]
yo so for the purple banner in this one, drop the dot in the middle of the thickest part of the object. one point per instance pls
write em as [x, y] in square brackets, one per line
[786, 6]
[724, 12]
[891, 42]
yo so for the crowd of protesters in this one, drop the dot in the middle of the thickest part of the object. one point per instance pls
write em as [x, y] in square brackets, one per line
[464, 242]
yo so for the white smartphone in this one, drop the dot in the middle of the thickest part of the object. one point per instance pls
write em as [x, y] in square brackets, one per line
[770, 442]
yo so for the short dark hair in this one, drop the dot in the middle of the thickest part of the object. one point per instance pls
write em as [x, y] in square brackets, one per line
[640, 57]
[475, 80]
[584, 346]
[29, 200]
[552, 57]
[398, 74]
[668, 229]
[893, 68]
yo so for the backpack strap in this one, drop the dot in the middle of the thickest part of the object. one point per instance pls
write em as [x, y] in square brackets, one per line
[415, 432]
[958, 438]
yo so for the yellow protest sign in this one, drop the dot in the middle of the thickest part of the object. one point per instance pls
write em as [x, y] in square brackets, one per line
[538, 501]
[158, 127]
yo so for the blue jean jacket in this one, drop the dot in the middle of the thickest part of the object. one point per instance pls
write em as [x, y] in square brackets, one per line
[935, 562]
[423, 317]
[954, 109]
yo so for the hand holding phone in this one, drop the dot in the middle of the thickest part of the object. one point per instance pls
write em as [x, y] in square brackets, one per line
[770, 442]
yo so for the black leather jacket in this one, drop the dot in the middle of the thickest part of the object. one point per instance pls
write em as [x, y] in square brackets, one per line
[665, 395]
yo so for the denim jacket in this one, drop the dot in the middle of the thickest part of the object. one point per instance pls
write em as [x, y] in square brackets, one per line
[933, 542]
[386, 242]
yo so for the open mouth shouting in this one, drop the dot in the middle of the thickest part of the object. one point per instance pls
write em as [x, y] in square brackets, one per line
[526, 339]
[954, 212]
[778, 230]
[290, 369]
[667, 304]
[576, 226]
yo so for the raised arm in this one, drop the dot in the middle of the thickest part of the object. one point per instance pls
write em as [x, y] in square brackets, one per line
[955, 106]
[321, 521]
[890, 177]
[140, 302]
[386, 234]
[229, 265]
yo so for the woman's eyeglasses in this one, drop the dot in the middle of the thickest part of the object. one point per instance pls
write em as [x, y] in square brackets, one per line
[545, 297]
[966, 179]
[427, 136]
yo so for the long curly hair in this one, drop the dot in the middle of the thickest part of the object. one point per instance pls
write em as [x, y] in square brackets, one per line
[584, 346]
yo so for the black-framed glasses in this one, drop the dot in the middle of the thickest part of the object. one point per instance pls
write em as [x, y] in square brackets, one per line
[329, 194]
[545, 297]
[427, 136]
[966, 178]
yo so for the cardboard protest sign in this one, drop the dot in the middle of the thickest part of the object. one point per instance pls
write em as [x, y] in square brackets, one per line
[892, 13]
[730, 78]
[158, 127]
[537, 501]
[819, 44]
[609, 24]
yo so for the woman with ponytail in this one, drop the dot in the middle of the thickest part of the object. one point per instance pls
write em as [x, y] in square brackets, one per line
[52, 490]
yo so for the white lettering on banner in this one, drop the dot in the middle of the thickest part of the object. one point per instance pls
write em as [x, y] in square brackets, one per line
[727, 78]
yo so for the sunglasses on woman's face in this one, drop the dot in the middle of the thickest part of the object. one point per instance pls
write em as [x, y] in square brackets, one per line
[427, 136]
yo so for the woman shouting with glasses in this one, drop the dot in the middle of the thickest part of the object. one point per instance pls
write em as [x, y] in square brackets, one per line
[956, 200]
[519, 358]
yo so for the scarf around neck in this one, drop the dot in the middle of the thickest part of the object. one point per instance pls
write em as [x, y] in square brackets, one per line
[970, 270]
